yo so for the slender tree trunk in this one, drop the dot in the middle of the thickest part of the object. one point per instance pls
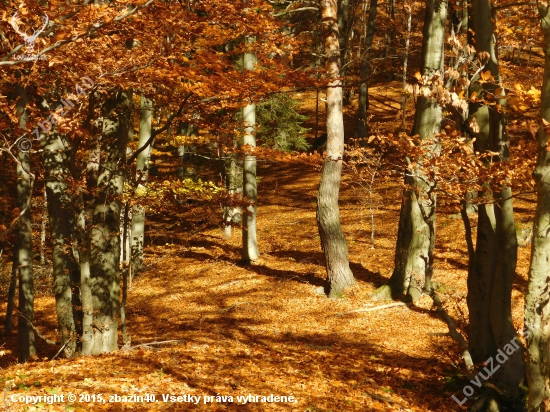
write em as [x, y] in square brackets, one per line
[8, 325]
[105, 238]
[333, 240]
[44, 223]
[25, 332]
[138, 211]
[125, 270]
[416, 230]
[250, 190]
[408, 8]
[86, 296]
[537, 298]
[363, 104]
[25, 182]
[233, 173]
[345, 20]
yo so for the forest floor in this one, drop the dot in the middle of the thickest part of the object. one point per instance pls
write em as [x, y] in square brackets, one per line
[264, 329]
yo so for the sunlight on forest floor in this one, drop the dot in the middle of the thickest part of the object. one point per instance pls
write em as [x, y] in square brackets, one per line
[263, 329]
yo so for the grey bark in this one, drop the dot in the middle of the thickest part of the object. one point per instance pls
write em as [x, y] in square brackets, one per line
[66, 272]
[537, 298]
[363, 103]
[142, 168]
[405, 63]
[233, 176]
[416, 230]
[492, 272]
[333, 241]
[250, 190]
[25, 181]
[104, 281]
[25, 332]
[8, 324]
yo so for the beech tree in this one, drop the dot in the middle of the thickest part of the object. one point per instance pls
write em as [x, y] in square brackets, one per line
[537, 304]
[492, 271]
[416, 230]
[333, 241]
[142, 170]
[25, 181]
[250, 189]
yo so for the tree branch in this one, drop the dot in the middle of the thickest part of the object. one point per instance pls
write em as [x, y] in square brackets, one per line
[91, 30]
[155, 132]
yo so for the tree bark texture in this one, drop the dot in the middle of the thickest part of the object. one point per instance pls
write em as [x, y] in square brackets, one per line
[250, 189]
[25, 182]
[416, 230]
[333, 240]
[492, 272]
[142, 169]
[537, 298]
[104, 281]
[66, 271]
[25, 332]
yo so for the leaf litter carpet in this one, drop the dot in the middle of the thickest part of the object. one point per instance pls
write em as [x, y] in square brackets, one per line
[263, 329]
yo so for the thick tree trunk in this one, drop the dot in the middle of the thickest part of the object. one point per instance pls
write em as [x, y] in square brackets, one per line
[363, 104]
[105, 237]
[138, 211]
[66, 272]
[416, 230]
[250, 190]
[493, 270]
[537, 298]
[333, 240]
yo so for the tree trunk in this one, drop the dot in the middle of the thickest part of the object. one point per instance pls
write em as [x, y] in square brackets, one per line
[345, 21]
[8, 325]
[138, 211]
[25, 182]
[537, 298]
[25, 332]
[233, 176]
[408, 8]
[66, 272]
[491, 279]
[44, 223]
[416, 230]
[105, 237]
[333, 240]
[363, 104]
[250, 190]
